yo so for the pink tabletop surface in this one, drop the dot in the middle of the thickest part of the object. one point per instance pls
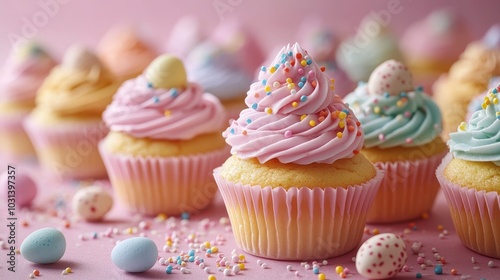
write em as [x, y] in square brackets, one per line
[91, 258]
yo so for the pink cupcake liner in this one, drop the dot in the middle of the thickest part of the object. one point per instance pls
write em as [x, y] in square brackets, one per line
[14, 142]
[408, 190]
[475, 214]
[168, 185]
[69, 150]
[298, 223]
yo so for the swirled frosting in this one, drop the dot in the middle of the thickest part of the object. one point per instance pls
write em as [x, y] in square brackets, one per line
[294, 116]
[124, 53]
[161, 104]
[23, 73]
[226, 63]
[393, 113]
[479, 139]
[79, 87]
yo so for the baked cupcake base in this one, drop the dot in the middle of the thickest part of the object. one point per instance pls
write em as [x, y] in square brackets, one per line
[169, 185]
[408, 190]
[475, 214]
[68, 150]
[297, 223]
[14, 142]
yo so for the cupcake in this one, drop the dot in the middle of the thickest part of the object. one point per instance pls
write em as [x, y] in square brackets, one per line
[470, 178]
[186, 34]
[467, 78]
[432, 45]
[24, 71]
[321, 42]
[66, 124]
[402, 127]
[296, 187]
[124, 52]
[226, 63]
[477, 102]
[373, 44]
[164, 141]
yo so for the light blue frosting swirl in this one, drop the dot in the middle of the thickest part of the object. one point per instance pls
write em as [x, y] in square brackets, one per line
[479, 139]
[405, 120]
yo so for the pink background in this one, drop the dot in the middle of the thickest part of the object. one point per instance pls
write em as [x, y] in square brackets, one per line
[274, 21]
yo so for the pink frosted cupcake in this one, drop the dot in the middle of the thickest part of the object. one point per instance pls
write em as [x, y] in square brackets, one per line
[402, 128]
[432, 45]
[470, 178]
[124, 53]
[296, 187]
[321, 42]
[66, 124]
[164, 141]
[26, 68]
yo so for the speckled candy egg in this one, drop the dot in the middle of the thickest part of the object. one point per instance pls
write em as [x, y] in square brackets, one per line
[92, 203]
[136, 254]
[46, 245]
[19, 183]
[381, 257]
[390, 77]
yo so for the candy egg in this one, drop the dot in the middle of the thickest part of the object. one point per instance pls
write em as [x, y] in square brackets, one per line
[19, 184]
[92, 203]
[136, 254]
[381, 257]
[392, 77]
[44, 246]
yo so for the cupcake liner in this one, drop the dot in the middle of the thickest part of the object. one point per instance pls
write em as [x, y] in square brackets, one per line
[297, 223]
[14, 142]
[407, 191]
[69, 150]
[168, 185]
[475, 214]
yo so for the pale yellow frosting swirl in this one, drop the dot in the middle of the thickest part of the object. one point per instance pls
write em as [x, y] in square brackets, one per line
[80, 87]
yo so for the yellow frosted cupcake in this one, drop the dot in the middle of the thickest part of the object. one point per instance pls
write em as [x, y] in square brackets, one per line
[24, 71]
[402, 126]
[66, 124]
[164, 141]
[470, 178]
[296, 187]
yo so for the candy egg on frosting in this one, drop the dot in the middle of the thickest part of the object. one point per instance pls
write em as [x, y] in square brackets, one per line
[92, 203]
[78, 57]
[391, 77]
[166, 71]
[381, 256]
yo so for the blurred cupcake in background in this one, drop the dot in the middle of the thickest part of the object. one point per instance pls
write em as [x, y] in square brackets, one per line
[467, 78]
[124, 52]
[321, 42]
[402, 127]
[226, 63]
[186, 34]
[21, 76]
[372, 44]
[66, 124]
[433, 44]
[164, 141]
[470, 178]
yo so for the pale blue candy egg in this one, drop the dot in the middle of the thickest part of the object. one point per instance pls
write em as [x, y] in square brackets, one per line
[136, 254]
[46, 245]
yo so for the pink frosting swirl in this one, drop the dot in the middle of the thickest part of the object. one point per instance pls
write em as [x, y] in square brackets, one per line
[23, 73]
[294, 116]
[170, 114]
